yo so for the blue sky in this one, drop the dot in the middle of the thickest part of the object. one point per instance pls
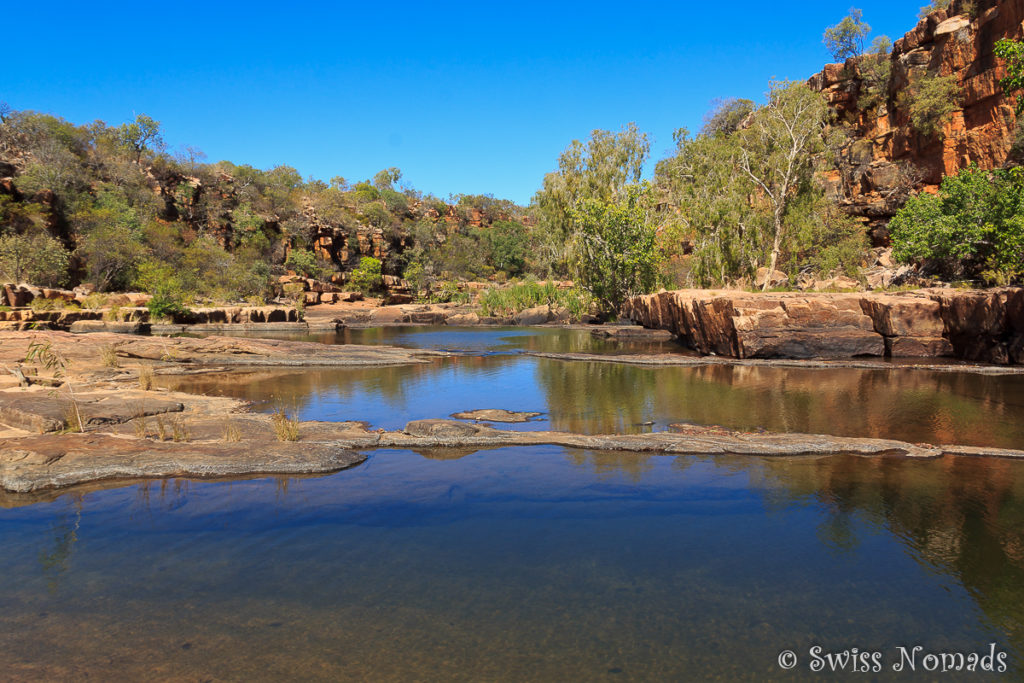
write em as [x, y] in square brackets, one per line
[463, 97]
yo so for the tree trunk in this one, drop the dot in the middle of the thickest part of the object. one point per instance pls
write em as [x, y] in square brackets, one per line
[775, 253]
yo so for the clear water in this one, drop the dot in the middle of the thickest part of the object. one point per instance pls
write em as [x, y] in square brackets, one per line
[539, 564]
[516, 565]
[596, 397]
[476, 340]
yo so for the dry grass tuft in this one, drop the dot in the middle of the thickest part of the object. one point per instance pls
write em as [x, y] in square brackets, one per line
[286, 427]
[109, 355]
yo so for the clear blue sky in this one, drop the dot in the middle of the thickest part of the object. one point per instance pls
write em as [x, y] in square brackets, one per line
[463, 97]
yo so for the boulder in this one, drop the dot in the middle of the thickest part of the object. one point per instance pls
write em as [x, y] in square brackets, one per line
[775, 278]
[462, 319]
[386, 315]
[538, 315]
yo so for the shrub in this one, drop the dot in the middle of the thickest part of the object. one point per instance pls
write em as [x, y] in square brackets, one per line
[286, 427]
[974, 227]
[933, 7]
[931, 100]
[303, 262]
[164, 305]
[416, 274]
[508, 301]
[38, 259]
[367, 277]
[614, 253]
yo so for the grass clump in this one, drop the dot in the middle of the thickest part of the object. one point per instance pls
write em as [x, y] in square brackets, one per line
[286, 427]
[232, 434]
[146, 377]
[108, 353]
[508, 301]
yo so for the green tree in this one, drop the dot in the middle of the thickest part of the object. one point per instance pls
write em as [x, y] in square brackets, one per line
[777, 153]
[846, 39]
[973, 228]
[613, 247]
[139, 135]
[506, 244]
[600, 170]
[726, 116]
[367, 277]
[303, 262]
[1013, 52]
[747, 199]
[876, 70]
[931, 100]
[37, 259]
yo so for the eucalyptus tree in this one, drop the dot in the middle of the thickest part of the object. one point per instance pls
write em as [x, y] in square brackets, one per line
[599, 169]
[846, 39]
[778, 152]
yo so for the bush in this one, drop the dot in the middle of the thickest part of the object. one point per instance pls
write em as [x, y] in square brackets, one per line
[303, 262]
[974, 227]
[931, 100]
[507, 301]
[367, 277]
[164, 306]
[38, 259]
[614, 253]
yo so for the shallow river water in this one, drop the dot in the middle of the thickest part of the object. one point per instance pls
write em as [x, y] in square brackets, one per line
[541, 564]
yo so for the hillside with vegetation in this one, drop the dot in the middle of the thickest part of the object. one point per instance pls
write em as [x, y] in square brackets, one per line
[808, 189]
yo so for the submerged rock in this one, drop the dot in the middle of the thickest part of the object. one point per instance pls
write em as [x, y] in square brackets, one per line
[495, 415]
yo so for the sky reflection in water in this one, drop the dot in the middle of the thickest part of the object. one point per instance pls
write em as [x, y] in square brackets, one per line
[516, 564]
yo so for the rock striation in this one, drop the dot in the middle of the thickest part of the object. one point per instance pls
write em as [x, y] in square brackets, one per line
[985, 326]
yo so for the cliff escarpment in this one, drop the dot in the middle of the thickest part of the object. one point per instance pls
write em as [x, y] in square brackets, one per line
[884, 158]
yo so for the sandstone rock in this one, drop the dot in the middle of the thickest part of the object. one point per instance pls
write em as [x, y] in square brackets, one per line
[631, 332]
[538, 315]
[442, 428]
[396, 298]
[83, 326]
[495, 415]
[886, 158]
[774, 279]
[387, 314]
[975, 325]
[918, 347]
[429, 317]
[463, 319]
[904, 316]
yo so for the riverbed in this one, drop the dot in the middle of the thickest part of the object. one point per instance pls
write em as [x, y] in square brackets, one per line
[540, 563]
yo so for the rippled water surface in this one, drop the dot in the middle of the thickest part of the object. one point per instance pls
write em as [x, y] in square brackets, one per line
[542, 563]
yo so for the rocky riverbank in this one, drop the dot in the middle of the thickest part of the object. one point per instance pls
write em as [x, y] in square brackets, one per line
[131, 430]
[977, 325]
[127, 451]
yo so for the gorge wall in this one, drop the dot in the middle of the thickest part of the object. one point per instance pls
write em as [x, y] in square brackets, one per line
[986, 326]
[884, 159]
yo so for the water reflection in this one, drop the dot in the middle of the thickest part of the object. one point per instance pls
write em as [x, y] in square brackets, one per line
[480, 339]
[517, 564]
[591, 397]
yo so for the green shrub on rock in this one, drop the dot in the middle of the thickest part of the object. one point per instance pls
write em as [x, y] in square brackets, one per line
[367, 277]
[973, 228]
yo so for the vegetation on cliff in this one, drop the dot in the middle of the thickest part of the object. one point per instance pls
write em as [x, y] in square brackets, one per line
[110, 206]
[761, 188]
[972, 229]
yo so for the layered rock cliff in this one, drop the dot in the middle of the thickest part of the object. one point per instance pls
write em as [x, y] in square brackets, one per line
[884, 158]
[985, 326]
